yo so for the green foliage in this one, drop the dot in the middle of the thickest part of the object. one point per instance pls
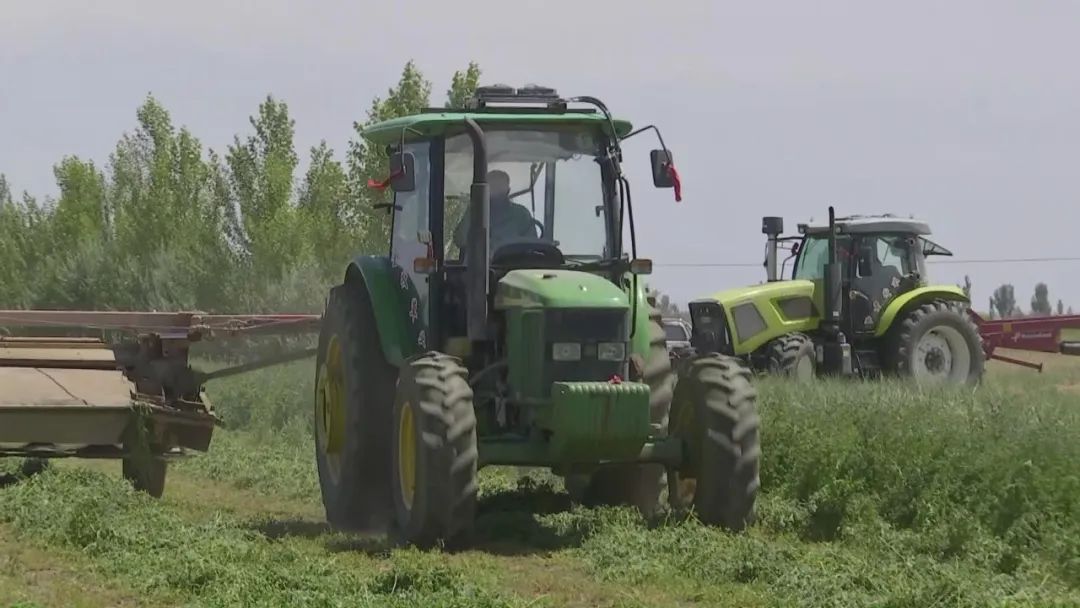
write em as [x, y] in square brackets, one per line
[221, 561]
[169, 224]
[1003, 302]
[874, 494]
[1040, 302]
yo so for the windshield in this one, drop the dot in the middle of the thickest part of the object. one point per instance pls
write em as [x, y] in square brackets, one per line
[812, 257]
[675, 332]
[814, 253]
[544, 184]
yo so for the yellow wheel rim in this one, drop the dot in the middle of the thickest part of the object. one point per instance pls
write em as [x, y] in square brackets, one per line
[330, 407]
[407, 454]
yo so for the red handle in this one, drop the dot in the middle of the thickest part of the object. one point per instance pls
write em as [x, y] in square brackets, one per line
[673, 173]
[381, 185]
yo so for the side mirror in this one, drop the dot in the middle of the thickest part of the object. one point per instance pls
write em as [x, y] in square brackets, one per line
[661, 160]
[403, 172]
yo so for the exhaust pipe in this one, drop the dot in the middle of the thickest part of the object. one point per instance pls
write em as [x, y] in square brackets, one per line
[772, 228]
[835, 354]
[478, 267]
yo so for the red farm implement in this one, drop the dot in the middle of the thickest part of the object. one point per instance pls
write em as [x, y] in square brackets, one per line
[1052, 334]
[118, 384]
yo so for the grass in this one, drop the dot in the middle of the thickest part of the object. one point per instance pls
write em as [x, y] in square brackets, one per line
[873, 495]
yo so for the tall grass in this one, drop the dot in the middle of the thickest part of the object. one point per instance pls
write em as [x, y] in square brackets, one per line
[221, 562]
[991, 476]
[874, 494]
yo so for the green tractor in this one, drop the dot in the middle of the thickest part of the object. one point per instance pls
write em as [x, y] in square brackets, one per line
[508, 327]
[858, 303]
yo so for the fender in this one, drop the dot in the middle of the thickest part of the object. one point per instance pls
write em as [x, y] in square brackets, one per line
[914, 298]
[398, 310]
[640, 344]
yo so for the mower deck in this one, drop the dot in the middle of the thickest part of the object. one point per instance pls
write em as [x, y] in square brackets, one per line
[71, 397]
[82, 396]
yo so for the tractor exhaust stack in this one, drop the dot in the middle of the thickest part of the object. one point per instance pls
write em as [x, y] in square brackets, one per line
[479, 262]
[772, 228]
[835, 352]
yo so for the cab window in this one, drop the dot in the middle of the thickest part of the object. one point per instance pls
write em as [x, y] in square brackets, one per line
[812, 257]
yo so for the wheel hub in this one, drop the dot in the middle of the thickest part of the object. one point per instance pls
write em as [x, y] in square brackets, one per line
[407, 455]
[330, 407]
[941, 355]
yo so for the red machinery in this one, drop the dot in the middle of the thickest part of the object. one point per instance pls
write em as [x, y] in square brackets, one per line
[128, 392]
[1053, 334]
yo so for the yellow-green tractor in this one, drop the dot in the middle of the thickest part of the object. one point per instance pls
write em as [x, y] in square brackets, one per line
[506, 325]
[858, 302]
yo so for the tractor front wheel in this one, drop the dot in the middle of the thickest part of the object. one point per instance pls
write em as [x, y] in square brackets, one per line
[435, 456]
[792, 356]
[715, 413]
[937, 343]
[354, 393]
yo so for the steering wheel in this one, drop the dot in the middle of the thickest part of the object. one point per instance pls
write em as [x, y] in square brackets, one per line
[528, 249]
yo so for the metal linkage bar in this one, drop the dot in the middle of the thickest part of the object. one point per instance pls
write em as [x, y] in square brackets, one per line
[257, 364]
[168, 325]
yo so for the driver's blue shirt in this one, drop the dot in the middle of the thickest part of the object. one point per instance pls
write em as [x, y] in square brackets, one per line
[509, 222]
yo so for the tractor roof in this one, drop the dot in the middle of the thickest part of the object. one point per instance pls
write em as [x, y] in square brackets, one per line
[864, 224]
[543, 107]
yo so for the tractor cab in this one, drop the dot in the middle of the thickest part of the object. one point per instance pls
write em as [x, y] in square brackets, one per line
[495, 203]
[880, 258]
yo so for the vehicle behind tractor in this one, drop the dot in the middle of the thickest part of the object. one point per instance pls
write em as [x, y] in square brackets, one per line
[507, 326]
[858, 302]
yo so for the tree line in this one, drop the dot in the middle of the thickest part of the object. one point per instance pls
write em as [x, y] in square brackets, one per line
[1003, 304]
[168, 224]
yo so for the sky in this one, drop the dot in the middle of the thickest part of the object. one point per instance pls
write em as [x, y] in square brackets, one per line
[962, 113]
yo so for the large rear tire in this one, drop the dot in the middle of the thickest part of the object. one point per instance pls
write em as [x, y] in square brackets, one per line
[435, 456]
[937, 343]
[792, 356]
[354, 396]
[715, 412]
[636, 485]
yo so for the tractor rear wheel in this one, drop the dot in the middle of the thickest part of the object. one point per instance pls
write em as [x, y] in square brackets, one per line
[354, 394]
[937, 343]
[715, 413]
[636, 485]
[435, 456]
[792, 356]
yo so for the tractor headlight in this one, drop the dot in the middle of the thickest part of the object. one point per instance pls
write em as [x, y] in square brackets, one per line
[566, 351]
[611, 351]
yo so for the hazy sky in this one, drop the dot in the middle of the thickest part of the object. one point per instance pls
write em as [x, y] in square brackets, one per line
[964, 113]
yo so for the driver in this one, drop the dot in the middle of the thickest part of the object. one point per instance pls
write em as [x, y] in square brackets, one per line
[509, 221]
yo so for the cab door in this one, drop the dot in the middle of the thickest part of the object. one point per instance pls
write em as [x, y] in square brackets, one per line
[410, 238]
[883, 271]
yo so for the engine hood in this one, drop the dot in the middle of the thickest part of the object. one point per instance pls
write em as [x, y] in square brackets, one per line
[543, 288]
[767, 291]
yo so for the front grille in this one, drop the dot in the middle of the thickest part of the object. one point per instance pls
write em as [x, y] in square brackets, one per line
[588, 327]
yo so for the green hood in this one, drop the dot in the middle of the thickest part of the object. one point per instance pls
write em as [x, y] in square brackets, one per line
[540, 288]
[759, 313]
[769, 291]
